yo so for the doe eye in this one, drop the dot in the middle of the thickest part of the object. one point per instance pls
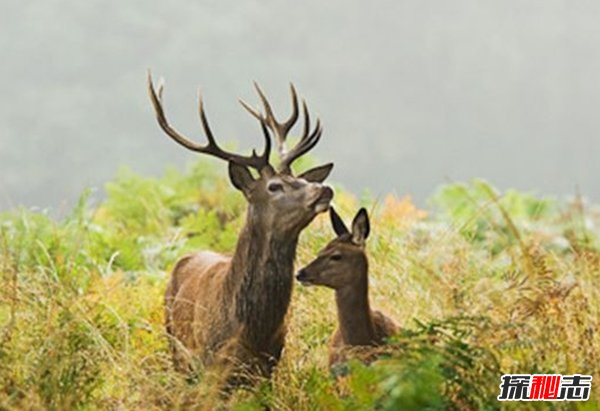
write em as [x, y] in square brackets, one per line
[336, 257]
[274, 187]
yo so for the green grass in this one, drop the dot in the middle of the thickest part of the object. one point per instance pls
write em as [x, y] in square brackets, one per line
[483, 283]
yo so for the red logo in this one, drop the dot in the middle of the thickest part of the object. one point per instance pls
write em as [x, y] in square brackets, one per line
[545, 387]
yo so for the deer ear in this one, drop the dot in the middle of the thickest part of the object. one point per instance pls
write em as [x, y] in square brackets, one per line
[360, 227]
[336, 222]
[317, 174]
[241, 178]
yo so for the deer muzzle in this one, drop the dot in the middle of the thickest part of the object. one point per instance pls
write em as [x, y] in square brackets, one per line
[322, 202]
[303, 277]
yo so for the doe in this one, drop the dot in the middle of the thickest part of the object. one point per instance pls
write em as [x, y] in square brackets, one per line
[343, 266]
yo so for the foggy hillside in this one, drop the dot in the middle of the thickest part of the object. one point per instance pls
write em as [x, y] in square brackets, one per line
[411, 93]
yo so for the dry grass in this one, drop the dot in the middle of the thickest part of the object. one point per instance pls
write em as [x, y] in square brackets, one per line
[483, 284]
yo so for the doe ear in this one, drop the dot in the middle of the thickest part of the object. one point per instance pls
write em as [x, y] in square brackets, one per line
[317, 174]
[360, 227]
[241, 178]
[336, 222]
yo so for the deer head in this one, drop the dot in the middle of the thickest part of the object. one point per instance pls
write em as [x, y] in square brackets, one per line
[343, 262]
[279, 200]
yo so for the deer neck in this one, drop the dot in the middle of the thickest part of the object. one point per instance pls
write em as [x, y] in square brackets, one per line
[261, 279]
[354, 313]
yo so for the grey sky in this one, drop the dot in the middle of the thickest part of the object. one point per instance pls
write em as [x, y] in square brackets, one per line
[411, 93]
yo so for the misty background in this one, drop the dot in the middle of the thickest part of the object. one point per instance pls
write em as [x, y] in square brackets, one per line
[412, 94]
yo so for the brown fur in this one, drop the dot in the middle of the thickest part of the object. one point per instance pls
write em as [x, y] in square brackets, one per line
[230, 311]
[383, 328]
[343, 266]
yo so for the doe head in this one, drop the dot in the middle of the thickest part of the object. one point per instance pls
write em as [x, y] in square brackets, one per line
[343, 261]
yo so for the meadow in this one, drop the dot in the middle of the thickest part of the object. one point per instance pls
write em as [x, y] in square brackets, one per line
[482, 283]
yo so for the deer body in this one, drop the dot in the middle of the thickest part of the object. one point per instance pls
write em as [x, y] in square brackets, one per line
[343, 266]
[229, 311]
[223, 308]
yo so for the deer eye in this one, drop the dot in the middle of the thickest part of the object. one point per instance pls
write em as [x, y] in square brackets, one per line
[336, 257]
[274, 187]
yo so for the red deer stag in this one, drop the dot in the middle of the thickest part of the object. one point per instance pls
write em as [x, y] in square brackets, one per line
[230, 310]
[343, 266]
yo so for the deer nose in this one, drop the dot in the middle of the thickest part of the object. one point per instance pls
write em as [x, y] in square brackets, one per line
[301, 275]
[326, 194]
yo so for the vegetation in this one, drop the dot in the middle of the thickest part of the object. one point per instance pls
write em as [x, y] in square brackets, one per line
[483, 284]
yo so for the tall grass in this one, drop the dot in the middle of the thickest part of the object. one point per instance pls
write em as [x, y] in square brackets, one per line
[484, 283]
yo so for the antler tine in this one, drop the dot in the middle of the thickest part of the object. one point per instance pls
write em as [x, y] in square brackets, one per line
[299, 150]
[310, 142]
[255, 113]
[156, 98]
[205, 126]
[281, 129]
[256, 161]
[211, 148]
[306, 143]
[267, 151]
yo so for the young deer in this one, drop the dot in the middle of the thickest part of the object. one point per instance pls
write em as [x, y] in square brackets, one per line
[230, 310]
[343, 266]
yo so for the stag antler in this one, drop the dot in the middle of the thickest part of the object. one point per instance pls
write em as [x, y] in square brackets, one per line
[281, 129]
[305, 144]
[258, 162]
